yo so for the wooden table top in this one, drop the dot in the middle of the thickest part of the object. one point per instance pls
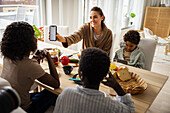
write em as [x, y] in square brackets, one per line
[142, 101]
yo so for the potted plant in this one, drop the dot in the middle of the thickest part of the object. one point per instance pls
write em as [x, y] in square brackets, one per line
[39, 33]
[132, 15]
[126, 19]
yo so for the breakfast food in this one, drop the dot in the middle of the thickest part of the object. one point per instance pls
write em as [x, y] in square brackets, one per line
[59, 52]
[65, 60]
[123, 74]
[53, 52]
[73, 60]
[113, 66]
[77, 77]
[54, 56]
[135, 85]
[79, 55]
[129, 81]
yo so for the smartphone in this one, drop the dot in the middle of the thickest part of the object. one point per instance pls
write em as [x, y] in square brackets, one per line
[53, 32]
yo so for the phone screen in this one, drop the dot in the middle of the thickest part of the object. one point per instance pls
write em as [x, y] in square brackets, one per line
[53, 32]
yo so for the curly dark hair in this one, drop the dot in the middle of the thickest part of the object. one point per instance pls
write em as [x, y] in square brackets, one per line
[132, 36]
[18, 41]
[94, 63]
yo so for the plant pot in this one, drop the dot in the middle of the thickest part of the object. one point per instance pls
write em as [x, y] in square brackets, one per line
[125, 22]
[131, 23]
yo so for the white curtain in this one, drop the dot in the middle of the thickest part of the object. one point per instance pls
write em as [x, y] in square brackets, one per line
[65, 13]
[112, 10]
[70, 14]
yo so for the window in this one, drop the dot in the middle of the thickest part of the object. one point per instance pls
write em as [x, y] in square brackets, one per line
[127, 19]
[125, 7]
[18, 10]
[88, 5]
[93, 3]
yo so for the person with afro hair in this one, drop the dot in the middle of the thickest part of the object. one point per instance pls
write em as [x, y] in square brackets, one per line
[130, 53]
[93, 67]
[21, 71]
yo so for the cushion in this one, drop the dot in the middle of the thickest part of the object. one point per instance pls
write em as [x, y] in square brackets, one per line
[149, 34]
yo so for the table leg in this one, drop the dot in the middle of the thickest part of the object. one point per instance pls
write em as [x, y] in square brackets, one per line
[166, 50]
[40, 88]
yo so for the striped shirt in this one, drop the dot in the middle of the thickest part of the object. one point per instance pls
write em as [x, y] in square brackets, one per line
[85, 100]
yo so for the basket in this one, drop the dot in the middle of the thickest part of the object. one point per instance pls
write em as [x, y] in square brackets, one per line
[135, 85]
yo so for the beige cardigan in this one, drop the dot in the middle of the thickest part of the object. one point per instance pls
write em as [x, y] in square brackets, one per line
[86, 33]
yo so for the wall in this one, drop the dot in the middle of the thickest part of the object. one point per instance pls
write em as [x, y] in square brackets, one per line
[55, 12]
[65, 13]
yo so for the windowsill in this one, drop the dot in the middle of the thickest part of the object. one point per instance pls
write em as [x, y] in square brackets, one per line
[128, 27]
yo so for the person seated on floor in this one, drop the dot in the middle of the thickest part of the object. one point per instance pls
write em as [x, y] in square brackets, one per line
[93, 68]
[21, 71]
[130, 53]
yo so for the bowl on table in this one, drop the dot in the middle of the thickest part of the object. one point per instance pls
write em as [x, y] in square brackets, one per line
[67, 69]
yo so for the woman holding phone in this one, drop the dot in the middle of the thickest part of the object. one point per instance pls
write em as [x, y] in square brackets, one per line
[94, 34]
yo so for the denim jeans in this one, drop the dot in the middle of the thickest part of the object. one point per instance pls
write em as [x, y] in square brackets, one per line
[41, 101]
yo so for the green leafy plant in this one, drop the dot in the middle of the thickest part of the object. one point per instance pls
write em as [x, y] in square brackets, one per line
[37, 31]
[132, 15]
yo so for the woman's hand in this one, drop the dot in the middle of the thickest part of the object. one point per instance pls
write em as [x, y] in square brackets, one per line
[60, 38]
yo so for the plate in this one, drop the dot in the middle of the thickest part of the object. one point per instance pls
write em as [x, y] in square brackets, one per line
[77, 82]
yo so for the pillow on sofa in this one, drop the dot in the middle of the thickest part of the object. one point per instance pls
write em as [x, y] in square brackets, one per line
[149, 34]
